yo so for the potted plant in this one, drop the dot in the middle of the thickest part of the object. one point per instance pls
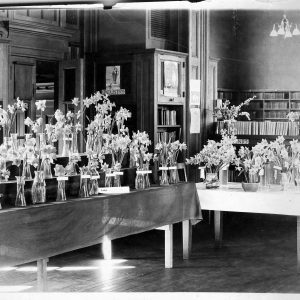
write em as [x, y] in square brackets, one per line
[249, 163]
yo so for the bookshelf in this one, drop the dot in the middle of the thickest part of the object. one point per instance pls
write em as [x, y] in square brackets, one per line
[162, 113]
[268, 113]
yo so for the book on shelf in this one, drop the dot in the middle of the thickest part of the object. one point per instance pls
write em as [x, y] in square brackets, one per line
[263, 128]
[166, 116]
[295, 95]
[166, 136]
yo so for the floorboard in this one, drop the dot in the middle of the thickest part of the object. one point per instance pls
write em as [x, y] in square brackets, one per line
[258, 256]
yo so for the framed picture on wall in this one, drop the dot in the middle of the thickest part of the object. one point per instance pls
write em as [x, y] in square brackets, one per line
[171, 78]
[113, 80]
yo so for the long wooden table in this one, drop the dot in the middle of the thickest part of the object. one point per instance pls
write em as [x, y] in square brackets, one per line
[35, 233]
[232, 198]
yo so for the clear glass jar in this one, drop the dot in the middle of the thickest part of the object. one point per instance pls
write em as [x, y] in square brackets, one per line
[67, 141]
[139, 180]
[109, 179]
[46, 168]
[20, 196]
[61, 190]
[212, 181]
[174, 178]
[94, 182]
[38, 189]
[164, 178]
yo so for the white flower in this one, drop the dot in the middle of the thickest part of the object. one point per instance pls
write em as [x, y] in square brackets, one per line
[11, 108]
[41, 105]
[28, 122]
[75, 101]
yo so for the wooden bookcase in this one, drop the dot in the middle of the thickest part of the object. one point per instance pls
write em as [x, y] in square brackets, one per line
[268, 113]
[162, 105]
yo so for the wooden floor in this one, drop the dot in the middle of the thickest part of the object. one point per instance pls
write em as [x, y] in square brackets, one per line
[259, 256]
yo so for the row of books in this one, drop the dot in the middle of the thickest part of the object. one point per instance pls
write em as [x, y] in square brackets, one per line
[262, 128]
[166, 116]
[276, 114]
[276, 105]
[295, 95]
[295, 105]
[166, 136]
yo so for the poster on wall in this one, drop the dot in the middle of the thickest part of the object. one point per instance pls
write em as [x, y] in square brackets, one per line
[195, 120]
[195, 92]
[112, 81]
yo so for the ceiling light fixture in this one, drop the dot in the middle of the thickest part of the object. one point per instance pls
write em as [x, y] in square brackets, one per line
[285, 29]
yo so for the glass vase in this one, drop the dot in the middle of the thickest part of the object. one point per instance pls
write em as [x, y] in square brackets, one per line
[46, 168]
[139, 180]
[20, 197]
[41, 140]
[108, 179]
[14, 142]
[89, 143]
[146, 175]
[164, 179]
[7, 141]
[84, 186]
[174, 178]
[223, 176]
[74, 143]
[61, 190]
[286, 182]
[26, 172]
[2, 168]
[212, 181]
[94, 183]
[38, 189]
[117, 179]
[67, 140]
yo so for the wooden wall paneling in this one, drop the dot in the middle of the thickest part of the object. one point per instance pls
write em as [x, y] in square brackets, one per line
[23, 79]
[193, 140]
[37, 16]
[4, 67]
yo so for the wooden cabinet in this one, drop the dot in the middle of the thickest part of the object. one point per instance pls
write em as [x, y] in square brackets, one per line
[161, 94]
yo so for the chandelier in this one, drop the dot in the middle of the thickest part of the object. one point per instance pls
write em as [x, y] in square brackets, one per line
[285, 29]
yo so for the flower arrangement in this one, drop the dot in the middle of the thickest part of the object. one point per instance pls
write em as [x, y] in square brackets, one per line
[230, 113]
[139, 148]
[216, 155]
[249, 163]
[7, 117]
[166, 155]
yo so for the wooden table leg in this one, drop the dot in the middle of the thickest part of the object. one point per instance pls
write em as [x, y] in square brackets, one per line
[218, 221]
[186, 238]
[169, 246]
[298, 244]
[106, 248]
[42, 274]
